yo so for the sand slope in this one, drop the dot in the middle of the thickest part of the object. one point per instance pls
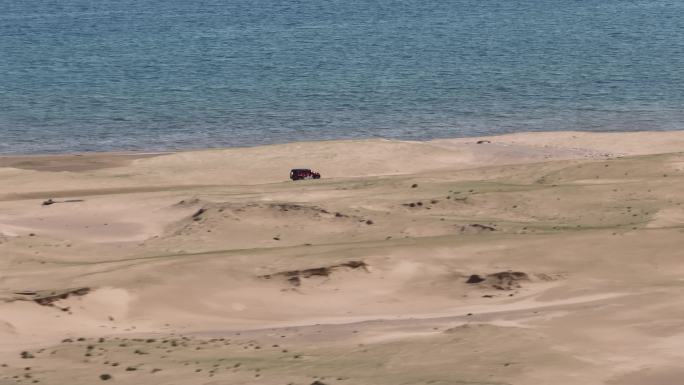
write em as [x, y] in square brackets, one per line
[524, 259]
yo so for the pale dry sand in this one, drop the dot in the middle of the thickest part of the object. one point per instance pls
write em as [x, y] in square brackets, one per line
[211, 267]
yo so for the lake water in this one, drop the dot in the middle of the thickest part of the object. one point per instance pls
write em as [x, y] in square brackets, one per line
[93, 75]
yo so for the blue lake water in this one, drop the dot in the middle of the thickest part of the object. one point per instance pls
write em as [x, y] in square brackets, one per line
[87, 75]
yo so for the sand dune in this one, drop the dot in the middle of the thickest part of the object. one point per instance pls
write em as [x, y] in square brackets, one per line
[545, 258]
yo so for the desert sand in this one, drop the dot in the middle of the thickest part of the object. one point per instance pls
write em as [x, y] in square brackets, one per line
[535, 258]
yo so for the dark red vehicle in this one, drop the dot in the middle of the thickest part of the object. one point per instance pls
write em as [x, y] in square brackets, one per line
[303, 173]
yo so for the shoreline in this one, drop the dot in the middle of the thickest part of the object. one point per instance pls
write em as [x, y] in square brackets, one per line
[124, 152]
[86, 161]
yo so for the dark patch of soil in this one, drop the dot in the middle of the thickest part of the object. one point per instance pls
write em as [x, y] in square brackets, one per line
[294, 277]
[188, 202]
[477, 227]
[198, 214]
[413, 204]
[475, 279]
[296, 207]
[48, 298]
[505, 280]
[52, 201]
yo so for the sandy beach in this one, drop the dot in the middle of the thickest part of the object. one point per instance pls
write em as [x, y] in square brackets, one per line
[531, 258]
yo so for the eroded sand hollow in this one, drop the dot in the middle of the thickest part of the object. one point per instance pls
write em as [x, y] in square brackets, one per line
[533, 259]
